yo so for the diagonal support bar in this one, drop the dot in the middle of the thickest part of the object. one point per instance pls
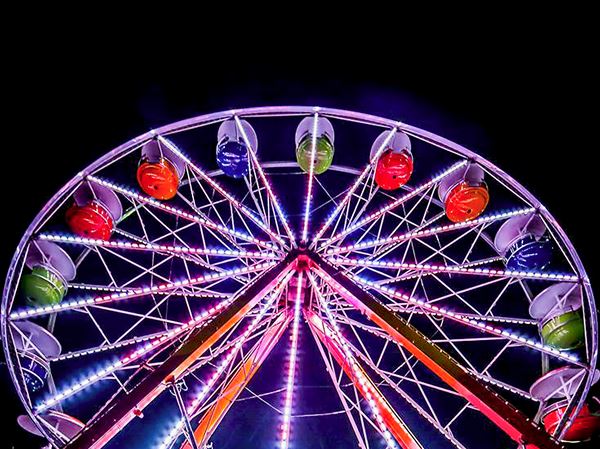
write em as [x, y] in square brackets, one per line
[518, 426]
[364, 384]
[122, 409]
[213, 416]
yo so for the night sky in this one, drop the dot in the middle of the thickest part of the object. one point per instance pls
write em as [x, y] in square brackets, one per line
[519, 104]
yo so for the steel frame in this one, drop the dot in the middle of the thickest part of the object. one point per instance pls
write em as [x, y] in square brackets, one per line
[255, 279]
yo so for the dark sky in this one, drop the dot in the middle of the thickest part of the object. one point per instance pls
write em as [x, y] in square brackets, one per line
[523, 104]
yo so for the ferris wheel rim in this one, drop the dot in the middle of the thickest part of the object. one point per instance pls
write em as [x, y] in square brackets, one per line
[280, 111]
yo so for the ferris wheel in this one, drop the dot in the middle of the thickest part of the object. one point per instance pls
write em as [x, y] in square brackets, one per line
[299, 277]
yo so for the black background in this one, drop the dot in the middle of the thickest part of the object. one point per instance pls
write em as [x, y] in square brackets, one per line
[526, 103]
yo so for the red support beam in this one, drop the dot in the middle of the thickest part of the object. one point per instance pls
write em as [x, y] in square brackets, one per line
[518, 426]
[393, 422]
[123, 408]
[213, 416]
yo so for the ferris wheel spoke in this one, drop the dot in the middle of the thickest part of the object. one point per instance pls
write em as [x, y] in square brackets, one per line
[272, 200]
[428, 416]
[157, 248]
[235, 381]
[310, 182]
[390, 425]
[351, 191]
[427, 232]
[496, 409]
[231, 236]
[117, 413]
[394, 204]
[179, 213]
[477, 324]
[330, 368]
[459, 269]
[403, 219]
[156, 344]
[416, 273]
[376, 258]
[93, 350]
[233, 349]
[164, 250]
[235, 204]
[135, 292]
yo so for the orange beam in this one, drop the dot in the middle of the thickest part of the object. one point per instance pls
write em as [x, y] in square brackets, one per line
[213, 416]
[512, 421]
[393, 422]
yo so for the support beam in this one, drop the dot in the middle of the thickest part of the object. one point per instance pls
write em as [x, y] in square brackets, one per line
[122, 409]
[364, 384]
[518, 426]
[213, 416]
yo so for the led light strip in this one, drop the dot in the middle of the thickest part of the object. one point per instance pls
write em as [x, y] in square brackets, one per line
[99, 349]
[375, 215]
[407, 397]
[385, 336]
[220, 252]
[140, 352]
[353, 188]
[102, 288]
[284, 438]
[266, 183]
[221, 190]
[180, 213]
[192, 408]
[141, 291]
[372, 395]
[311, 175]
[431, 231]
[496, 319]
[475, 263]
[455, 269]
[528, 342]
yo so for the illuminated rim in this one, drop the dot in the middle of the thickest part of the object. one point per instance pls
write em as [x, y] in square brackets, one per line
[336, 256]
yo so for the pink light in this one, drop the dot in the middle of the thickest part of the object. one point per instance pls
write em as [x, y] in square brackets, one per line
[431, 231]
[289, 392]
[374, 399]
[135, 246]
[135, 292]
[265, 181]
[311, 176]
[237, 204]
[456, 269]
[464, 319]
[181, 213]
[225, 362]
[375, 215]
[354, 186]
[141, 351]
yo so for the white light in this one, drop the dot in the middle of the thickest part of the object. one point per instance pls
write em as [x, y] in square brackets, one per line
[431, 231]
[154, 247]
[180, 213]
[196, 402]
[140, 291]
[215, 185]
[395, 203]
[530, 343]
[289, 392]
[454, 269]
[141, 351]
